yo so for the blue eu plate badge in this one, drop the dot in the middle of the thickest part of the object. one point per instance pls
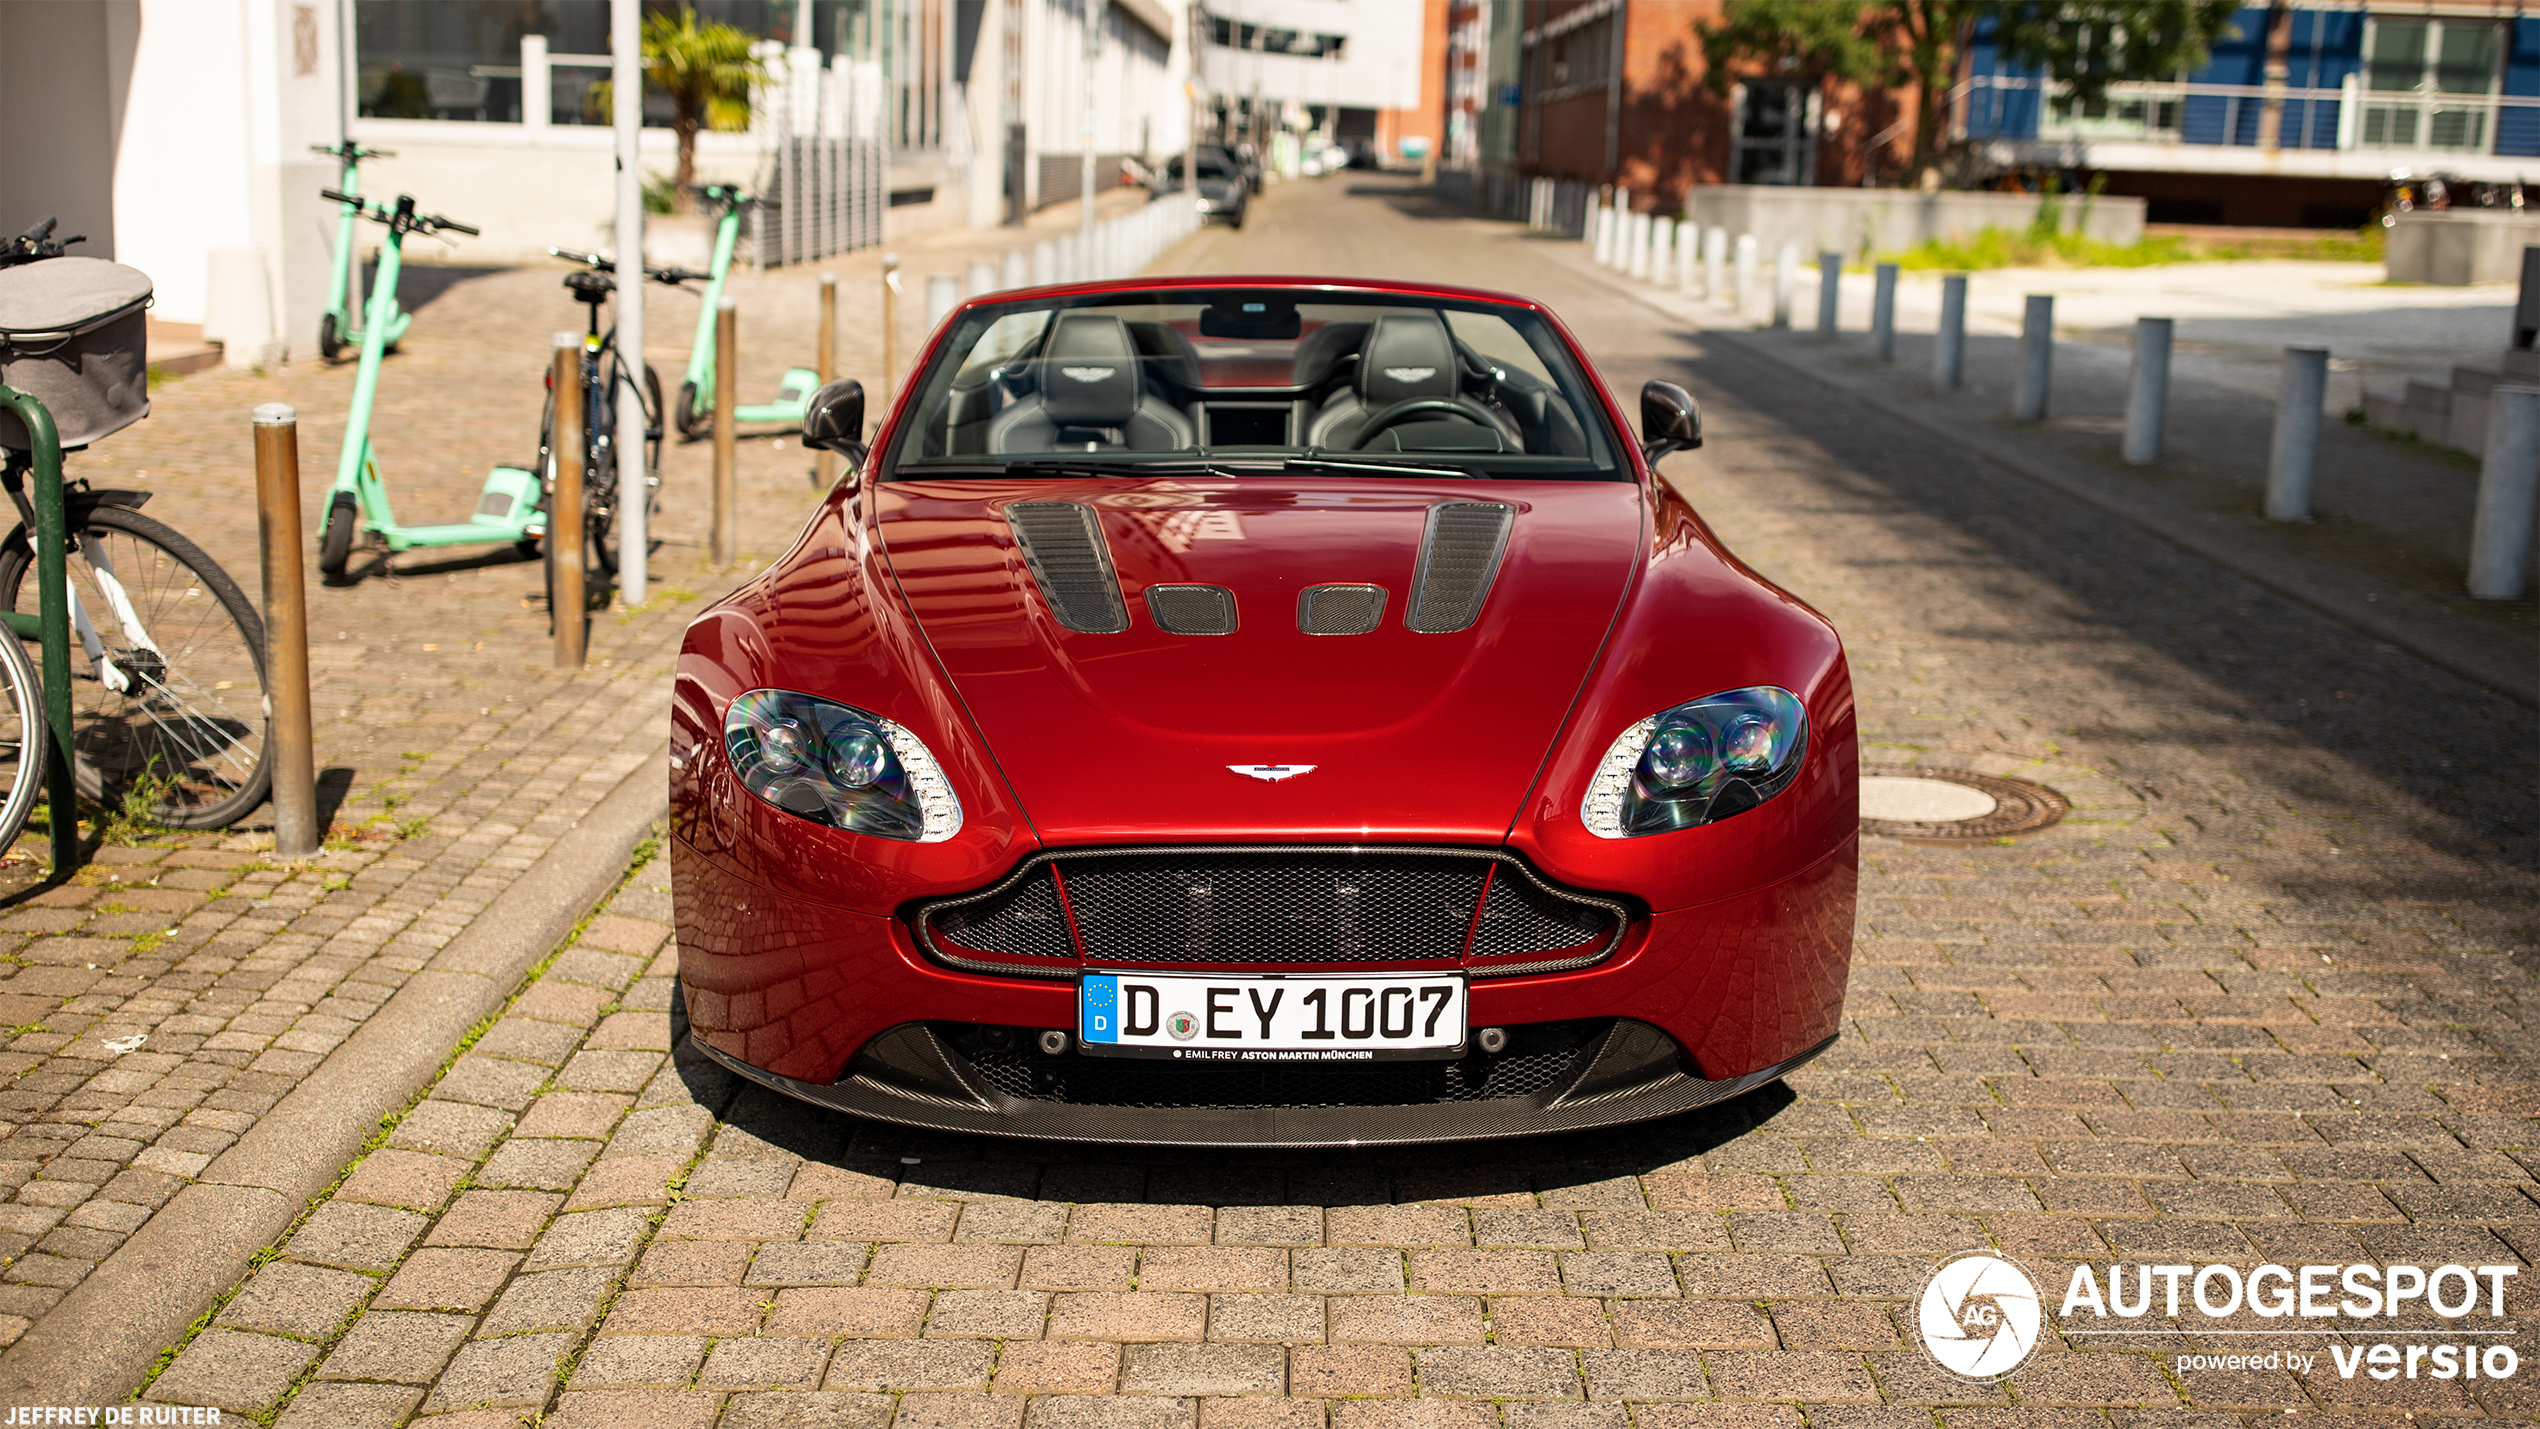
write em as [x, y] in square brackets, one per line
[1099, 1017]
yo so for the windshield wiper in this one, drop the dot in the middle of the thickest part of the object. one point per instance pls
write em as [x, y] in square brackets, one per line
[1397, 468]
[1046, 466]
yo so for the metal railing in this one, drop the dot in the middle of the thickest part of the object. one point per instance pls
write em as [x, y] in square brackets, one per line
[2230, 115]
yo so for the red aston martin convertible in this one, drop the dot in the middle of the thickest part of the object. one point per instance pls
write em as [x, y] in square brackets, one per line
[1260, 711]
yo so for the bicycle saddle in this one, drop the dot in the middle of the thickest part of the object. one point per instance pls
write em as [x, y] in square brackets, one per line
[588, 287]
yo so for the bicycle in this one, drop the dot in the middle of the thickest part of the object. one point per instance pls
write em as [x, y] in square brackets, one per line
[603, 370]
[341, 326]
[168, 693]
[695, 412]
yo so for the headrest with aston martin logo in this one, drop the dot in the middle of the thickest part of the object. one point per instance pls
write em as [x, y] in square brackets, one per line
[1407, 355]
[1089, 372]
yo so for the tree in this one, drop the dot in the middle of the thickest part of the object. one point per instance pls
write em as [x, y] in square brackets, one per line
[2084, 45]
[708, 72]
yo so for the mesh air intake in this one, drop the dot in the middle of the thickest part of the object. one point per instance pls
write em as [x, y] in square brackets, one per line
[1062, 543]
[1459, 557]
[1192, 609]
[1340, 609]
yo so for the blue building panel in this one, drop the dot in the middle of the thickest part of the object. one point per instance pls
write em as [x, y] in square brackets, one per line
[2327, 46]
[2518, 126]
[1999, 111]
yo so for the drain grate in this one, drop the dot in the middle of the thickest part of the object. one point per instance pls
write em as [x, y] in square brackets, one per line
[2019, 807]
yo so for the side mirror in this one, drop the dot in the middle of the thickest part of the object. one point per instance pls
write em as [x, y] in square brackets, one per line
[1669, 421]
[833, 420]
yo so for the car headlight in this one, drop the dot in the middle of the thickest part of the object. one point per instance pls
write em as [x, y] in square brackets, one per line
[1697, 763]
[823, 761]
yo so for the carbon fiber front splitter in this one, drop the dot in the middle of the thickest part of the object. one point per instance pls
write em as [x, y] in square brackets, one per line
[967, 1104]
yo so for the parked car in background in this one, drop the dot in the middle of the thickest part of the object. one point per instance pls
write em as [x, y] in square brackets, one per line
[1223, 195]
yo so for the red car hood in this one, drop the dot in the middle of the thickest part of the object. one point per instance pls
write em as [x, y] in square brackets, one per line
[1127, 738]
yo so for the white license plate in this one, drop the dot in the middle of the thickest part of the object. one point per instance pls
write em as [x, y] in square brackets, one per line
[1192, 1017]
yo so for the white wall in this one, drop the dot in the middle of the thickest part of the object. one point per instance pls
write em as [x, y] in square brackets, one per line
[64, 70]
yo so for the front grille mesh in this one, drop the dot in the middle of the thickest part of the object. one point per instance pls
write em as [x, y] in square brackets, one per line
[1519, 918]
[1284, 906]
[1541, 1059]
[1272, 908]
[1023, 920]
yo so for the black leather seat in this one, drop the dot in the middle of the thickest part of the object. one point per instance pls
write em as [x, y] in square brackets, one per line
[1088, 396]
[1406, 355]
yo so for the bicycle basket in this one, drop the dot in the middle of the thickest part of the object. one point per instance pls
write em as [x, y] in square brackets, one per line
[73, 336]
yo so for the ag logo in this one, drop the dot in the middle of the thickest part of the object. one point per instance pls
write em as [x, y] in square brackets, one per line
[1979, 1316]
[1182, 1025]
[1089, 374]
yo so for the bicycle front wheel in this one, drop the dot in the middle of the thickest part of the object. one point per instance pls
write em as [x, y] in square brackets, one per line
[21, 740]
[175, 711]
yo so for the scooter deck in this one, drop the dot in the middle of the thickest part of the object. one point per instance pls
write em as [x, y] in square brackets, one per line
[463, 533]
[793, 399]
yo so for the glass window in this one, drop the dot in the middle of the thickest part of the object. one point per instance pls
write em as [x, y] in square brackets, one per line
[1238, 380]
[2450, 66]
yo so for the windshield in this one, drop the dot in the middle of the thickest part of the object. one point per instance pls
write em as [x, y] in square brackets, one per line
[1247, 379]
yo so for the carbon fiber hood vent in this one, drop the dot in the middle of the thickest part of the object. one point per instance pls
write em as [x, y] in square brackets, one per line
[1459, 558]
[1192, 609]
[1340, 609]
[1062, 541]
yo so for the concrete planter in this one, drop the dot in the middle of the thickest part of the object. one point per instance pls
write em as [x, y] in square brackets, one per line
[2460, 246]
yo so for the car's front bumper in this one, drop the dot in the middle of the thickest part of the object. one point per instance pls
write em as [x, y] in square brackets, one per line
[840, 1008]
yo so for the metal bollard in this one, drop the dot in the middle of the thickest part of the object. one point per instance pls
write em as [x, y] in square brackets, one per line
[727, 361]
[2147, 397]
[1742, 277]
[1018, 269]
[1785, 283]
[2508, 493]
[568, 602]
[1715, 262]
[2293, 459]
[1949, 344]
[982, 280]
[890, 327]
[2037, 358]
[278, 535]
[1829, 294]
[1883, 313]
[824, 464]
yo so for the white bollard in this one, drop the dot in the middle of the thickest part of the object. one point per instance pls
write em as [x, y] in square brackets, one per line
[1044, 263]
[2293, 459]
[2508, 493]
[2037, 357]
[1018, 269]
[1662, 251]
[1687, 240]
[982, 280]
[1829, 295]
[1601, 230]
[1638, 265]
[2147, 397]
[1883, 313]
[1949, 344]
[1742, 282]
[1785, 283]
[1715, 263]
[943, 294]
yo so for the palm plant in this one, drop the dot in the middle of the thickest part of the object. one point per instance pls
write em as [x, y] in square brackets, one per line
[708, 72]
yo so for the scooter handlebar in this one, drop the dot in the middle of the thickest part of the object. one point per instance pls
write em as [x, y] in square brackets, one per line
[446, 225]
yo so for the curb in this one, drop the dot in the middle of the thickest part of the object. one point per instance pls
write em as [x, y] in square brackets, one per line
[2319, 590]
[101, 1339]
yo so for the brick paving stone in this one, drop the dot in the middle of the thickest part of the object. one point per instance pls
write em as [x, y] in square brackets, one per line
[1203, 1370]
[909, 1365]
[864, 1311]
[396, 1345]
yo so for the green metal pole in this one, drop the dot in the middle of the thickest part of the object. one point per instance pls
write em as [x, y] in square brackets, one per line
[53, 616]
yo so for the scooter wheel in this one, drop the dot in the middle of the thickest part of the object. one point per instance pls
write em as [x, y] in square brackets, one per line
[335, 547]
[330, 342]
[691, 421]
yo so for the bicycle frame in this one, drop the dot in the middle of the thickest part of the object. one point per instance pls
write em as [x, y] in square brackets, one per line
[793, 391]
[510, 508]
[344, 303]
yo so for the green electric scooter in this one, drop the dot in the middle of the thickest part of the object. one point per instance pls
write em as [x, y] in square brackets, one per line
[696, 392]
[508, 512]
[339, 329]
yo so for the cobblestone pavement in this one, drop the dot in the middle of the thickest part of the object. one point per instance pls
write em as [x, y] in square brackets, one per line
[167, 996]
[2262, 998]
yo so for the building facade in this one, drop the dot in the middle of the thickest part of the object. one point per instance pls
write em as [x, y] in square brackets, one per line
[1290, 76]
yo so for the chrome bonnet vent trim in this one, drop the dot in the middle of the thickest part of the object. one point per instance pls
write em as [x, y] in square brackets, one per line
[1459, 558]
[1340, 609]
[1062, 542]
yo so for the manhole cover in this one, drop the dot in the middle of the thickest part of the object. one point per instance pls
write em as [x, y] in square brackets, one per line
[1954, 805]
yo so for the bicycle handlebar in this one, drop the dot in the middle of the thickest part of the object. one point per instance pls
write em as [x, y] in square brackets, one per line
[35, 243]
